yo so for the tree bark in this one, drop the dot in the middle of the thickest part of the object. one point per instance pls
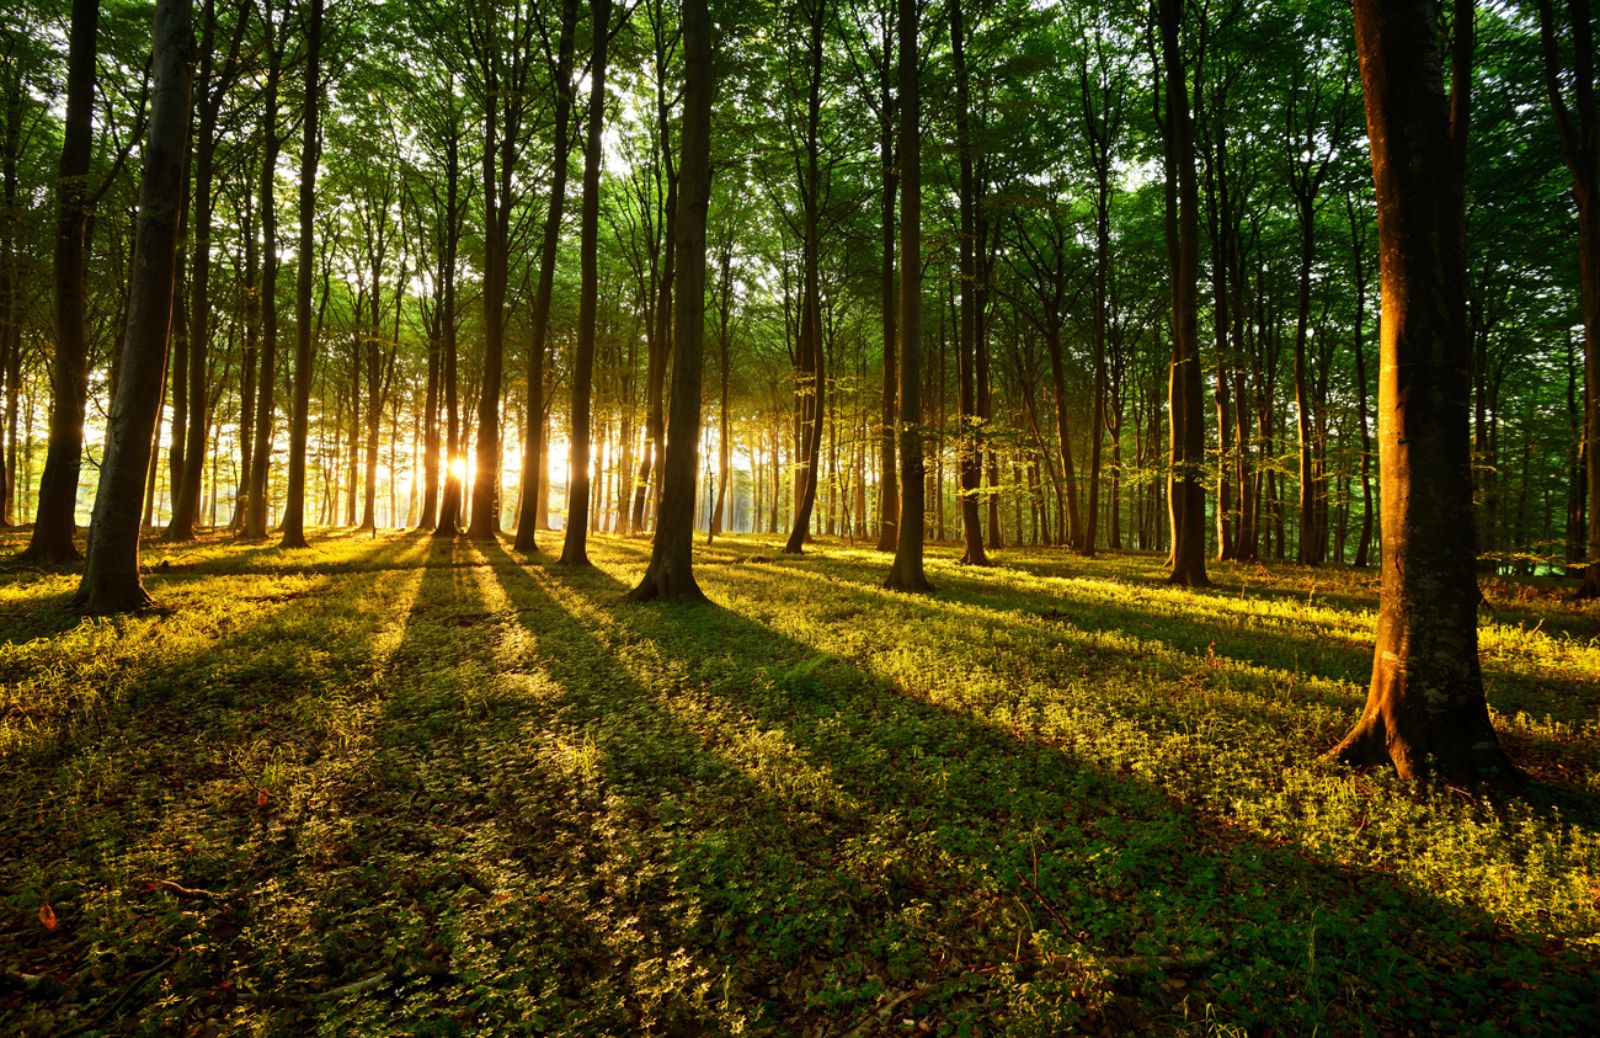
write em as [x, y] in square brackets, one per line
[533, 452]
[574, 550]
[813, 383]
[970, 457]
[111, 575]
[55, 519]
[1186, 389]
[294, 510]
[255, 519]
[888, 485]
[670, 574]
[907, 573]
[1425, 711]
[1579, 128]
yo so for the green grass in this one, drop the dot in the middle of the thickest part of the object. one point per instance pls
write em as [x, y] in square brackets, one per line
[396, 786]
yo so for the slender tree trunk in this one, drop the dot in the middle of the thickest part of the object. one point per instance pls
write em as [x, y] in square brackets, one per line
[1187, 386]
[1358, 241]
[813, 382]
[970, 455]
[1579, 128]
[888, 486]
[670, 574]
[533, 454]
[10, 288]
[111, 575]
[450, 505]
[55, 521]
[907, 572]
[255, 522]
[294, 533]
[574, 550]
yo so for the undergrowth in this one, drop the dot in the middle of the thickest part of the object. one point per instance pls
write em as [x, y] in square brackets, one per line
[399, 785]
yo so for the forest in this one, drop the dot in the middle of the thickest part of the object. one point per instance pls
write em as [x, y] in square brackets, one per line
[827, 518]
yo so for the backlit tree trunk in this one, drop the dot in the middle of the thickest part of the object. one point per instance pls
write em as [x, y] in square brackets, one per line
[111, 575]
[534, 447]
[294, 535]
[907, 572]
[1579, 127]
[1186, 390]
[970, 454]
[670, 575]
[575, 547]
[54, 521]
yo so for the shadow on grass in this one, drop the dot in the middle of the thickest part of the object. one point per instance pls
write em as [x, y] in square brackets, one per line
[160, 785]
[953, 823]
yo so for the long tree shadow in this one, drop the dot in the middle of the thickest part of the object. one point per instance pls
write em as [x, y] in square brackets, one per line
[149, 822]
[1310, 649]
[1166, 691]
[991, 875]
[500, 811]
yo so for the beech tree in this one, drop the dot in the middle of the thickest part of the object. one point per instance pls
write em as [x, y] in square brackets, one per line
[907, 572]
[1186, 394]
[55, 523]
[670, 574]
[294, 535]
[111, 574]
[1425, 710]
[574, 549]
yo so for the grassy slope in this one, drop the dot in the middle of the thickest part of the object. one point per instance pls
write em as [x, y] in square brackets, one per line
[434, 788]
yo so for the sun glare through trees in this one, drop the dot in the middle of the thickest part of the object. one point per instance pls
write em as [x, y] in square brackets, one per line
[831, 518]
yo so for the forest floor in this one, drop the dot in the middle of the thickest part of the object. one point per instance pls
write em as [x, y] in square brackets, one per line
[400, 786]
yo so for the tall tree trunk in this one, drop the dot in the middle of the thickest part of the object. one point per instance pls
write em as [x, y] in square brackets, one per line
[813, 381]
[1359, 256]
[1579, 127]
[970, 455]
[533, 452]
[888, 486]
[214, 83]
[1307, 551]
[670, 574]
[255, 520]
[55, 521]
[907, 572]
[574, 549]
[1425, 711]
[1186, 391]
[455, 469]
[111, 575]
[294, 510]
[430, 430]
[10, 287]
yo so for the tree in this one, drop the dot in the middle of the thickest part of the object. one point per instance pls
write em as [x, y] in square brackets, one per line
[1186, 392]
[294, 535]
[55, 523]
[111, 575]
[1579, 128]
[534, 447]
[255, 512]
[907, 572]
[812, 382]
[970, 349]
[574, 549]
[670, 575]
[1425, 710]
[214, 84]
